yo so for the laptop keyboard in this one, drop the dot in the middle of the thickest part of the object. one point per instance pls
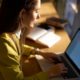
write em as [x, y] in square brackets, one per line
[70, 73]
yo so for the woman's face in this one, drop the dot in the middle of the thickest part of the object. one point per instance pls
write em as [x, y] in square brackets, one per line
[30, 17]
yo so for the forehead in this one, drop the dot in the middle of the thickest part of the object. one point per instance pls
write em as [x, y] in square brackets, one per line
[38, 4]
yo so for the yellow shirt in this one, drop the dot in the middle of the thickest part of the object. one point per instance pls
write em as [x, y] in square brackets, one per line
[10, 60]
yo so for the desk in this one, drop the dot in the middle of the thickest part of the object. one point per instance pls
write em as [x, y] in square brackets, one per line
[30, 66]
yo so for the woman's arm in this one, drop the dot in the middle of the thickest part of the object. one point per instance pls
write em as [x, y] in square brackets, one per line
[10, 63]
[27, 50]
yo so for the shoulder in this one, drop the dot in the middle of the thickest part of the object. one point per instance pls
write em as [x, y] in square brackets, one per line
[6, 43]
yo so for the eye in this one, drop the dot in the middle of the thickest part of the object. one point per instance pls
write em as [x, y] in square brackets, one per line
[37, 10]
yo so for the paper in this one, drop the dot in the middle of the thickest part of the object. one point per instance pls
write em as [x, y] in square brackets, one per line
[49, 39]
[36, 33]
[43, 36]
[43, 63]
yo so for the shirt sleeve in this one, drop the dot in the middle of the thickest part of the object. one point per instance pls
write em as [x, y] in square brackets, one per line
[10, 64]
[9, 61]
[26, 49]
[39, 76]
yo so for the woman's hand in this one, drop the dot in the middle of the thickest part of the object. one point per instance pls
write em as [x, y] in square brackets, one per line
[57, 70]
[52, 57]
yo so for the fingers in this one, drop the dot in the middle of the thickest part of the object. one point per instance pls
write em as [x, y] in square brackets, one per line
[64, 70]
[61, 69]
[57, 70]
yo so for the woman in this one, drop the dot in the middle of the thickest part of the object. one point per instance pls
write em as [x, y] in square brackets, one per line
[14, 16]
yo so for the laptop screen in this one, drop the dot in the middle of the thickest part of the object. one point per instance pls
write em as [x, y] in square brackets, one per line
[73, 51]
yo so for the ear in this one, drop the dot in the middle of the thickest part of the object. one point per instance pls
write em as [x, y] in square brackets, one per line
[21, 17]
[22, 13]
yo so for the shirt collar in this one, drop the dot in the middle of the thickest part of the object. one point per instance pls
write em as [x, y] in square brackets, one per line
[18, 33]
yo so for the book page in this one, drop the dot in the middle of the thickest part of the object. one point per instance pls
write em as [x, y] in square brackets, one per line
[36, 33]
[49, 39]
[43, 63]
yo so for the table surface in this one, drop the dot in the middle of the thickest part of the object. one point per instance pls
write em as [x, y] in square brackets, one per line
[47, 10]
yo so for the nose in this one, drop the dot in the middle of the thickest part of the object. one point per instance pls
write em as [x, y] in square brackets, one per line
[38, 16]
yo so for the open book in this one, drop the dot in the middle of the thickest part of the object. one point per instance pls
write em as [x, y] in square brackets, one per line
[43, 36]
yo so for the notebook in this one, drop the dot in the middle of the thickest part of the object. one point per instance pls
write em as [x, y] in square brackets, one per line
[71, 59]
[44, 35]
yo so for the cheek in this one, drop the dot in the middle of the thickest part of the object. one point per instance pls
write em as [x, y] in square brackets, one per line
[30, 20]
[27, 20]
[34, 16]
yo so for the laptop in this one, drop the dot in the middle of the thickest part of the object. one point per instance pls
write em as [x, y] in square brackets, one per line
[71, 59]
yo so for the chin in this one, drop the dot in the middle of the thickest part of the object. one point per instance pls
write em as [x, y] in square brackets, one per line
[32, 25]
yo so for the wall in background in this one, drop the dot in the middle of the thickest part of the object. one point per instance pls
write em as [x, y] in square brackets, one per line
[60, 6]
[72, 13]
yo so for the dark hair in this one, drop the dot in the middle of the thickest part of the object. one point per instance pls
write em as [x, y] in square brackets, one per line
[9, 12]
